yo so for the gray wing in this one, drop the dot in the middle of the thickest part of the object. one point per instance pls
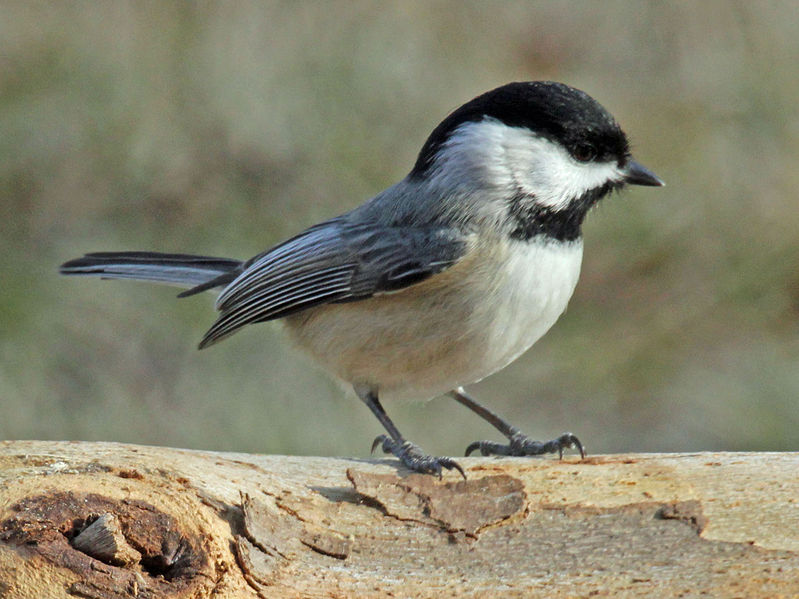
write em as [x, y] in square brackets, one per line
[335, 261]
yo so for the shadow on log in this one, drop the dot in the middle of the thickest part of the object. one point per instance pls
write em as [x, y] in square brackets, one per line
[105, 520]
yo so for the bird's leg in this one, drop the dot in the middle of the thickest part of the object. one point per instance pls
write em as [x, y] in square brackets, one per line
[409, 454]
[519, 444]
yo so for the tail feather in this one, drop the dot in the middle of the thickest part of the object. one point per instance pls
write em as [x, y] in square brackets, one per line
[185, 270]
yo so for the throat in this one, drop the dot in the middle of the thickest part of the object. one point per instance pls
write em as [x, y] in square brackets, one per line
[531, 219]
[534, 221]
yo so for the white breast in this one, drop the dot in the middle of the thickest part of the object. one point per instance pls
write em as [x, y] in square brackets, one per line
[454, 329]
[530, 290]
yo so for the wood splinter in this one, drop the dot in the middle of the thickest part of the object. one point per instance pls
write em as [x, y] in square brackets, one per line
[103, 540]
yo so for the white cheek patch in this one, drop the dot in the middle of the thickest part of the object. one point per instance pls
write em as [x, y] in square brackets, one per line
[513, 159]
[547, 171]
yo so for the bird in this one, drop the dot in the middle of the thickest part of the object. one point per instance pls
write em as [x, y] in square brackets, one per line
[440, 280]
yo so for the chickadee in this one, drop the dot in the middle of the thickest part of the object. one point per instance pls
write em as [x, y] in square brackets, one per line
[445, 277]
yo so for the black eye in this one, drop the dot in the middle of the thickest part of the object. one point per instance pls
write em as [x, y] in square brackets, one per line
[584, 152]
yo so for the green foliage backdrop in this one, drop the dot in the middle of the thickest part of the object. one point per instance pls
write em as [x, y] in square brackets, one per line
[223, 127]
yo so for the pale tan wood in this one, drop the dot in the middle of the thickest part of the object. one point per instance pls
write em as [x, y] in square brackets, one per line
[181, 523]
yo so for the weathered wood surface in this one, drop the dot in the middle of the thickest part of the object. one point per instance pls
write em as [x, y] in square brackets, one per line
[179, 523]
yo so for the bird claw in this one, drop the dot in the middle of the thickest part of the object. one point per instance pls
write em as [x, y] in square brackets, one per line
[413, 458]
[522, 445]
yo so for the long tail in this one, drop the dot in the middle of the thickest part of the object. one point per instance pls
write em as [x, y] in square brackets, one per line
[197, 272]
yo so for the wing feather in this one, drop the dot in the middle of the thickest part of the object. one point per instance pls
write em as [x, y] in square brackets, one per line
[335, 261]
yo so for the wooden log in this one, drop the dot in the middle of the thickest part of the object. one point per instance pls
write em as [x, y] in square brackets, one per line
[179, 523]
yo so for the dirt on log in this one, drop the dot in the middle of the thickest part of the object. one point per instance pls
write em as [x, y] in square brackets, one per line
[113, 521]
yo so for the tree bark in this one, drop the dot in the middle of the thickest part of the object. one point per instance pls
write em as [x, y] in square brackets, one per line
[107, 520]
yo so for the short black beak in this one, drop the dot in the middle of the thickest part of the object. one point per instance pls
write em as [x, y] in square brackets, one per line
[638, 174]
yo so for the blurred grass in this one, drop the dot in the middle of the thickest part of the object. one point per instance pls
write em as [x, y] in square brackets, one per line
[221, 128]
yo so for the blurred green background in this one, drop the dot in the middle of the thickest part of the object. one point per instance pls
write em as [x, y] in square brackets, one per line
[223, 127]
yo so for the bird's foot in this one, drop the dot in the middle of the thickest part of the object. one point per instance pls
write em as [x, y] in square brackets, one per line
[414, 458]
[522, 445]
